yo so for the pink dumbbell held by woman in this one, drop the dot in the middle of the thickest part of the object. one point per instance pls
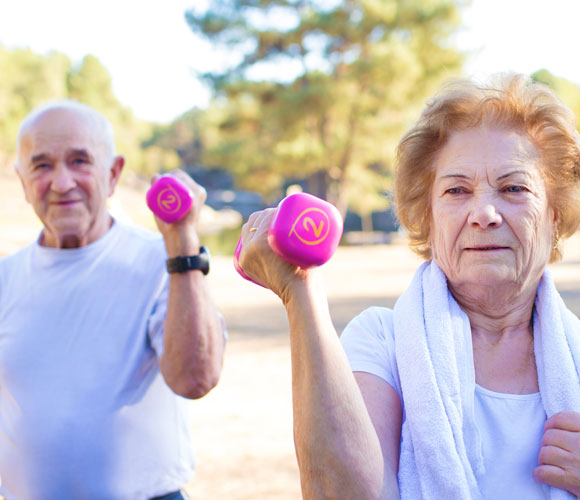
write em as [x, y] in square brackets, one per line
[305, 231]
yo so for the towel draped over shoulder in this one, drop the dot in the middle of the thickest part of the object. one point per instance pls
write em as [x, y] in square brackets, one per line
[441, 451]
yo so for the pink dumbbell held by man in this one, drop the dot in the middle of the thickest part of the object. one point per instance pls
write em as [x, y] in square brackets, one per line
[169, 199]
[305, 231]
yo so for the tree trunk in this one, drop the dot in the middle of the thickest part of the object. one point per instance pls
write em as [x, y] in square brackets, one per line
[367, 222]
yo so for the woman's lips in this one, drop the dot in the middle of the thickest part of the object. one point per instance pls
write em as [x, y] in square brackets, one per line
[485, 248]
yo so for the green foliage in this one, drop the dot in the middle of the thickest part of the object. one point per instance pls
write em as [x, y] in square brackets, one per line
[155, 159]
[567, 91]
[27, 80]
[182, 136]
[352, 75]
[30, 79]
[90, 82]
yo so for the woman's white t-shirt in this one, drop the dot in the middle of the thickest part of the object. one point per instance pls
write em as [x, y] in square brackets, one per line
[511, 425]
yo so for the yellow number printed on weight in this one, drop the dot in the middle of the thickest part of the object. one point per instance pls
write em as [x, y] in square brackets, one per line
[168, 200]
[308, 224]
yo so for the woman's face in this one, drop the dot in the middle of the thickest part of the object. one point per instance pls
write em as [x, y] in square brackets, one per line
[491, 223]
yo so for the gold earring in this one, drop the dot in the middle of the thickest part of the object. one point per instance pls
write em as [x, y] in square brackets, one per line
[556, 240]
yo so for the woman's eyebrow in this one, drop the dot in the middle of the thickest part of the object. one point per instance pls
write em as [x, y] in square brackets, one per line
[452, 175]
[513, 172]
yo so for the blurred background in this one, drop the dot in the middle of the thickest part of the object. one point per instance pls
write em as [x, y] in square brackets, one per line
[254, 98]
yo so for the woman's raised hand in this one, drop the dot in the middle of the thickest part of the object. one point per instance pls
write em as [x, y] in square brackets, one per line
[260, 263]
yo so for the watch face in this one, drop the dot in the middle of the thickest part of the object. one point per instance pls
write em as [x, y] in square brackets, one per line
[204, 258]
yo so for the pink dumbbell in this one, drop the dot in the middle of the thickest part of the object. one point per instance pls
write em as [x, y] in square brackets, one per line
[169, 199]
[305, 231]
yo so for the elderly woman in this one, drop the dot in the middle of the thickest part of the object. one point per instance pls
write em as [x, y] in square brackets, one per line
[470, 387]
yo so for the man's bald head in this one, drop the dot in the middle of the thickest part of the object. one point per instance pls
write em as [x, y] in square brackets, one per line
[69, 111]
[68, 169]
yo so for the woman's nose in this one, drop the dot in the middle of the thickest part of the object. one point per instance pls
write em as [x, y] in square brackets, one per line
[62, 179]
[484, 214]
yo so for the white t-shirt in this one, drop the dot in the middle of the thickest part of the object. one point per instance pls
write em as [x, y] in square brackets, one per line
[511, 425]
[84, 410]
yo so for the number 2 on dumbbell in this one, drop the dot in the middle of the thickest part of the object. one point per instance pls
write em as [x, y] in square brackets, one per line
[305, 231]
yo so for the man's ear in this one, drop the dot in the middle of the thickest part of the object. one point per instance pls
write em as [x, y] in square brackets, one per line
[19, 173]
[115, 173]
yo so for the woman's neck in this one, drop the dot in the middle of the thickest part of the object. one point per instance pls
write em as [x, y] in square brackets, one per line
[502, 337]
[495, 310]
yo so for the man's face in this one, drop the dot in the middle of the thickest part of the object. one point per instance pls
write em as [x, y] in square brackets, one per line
[67, 172]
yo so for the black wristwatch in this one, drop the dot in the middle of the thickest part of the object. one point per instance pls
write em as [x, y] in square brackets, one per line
[182, 264]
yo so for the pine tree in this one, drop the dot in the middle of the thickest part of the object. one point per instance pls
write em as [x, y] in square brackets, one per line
[321, 90]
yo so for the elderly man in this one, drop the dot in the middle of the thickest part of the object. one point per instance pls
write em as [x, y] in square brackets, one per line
[99, 345]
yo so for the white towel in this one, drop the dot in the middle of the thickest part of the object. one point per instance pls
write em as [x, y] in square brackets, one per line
[557, 350]
[441, 453]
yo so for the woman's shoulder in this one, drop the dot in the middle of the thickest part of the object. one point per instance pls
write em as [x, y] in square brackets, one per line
[374, 319]
[370, 331]
[369, 343]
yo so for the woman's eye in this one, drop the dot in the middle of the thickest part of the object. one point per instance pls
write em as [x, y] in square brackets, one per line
[515, 189]
[455, 190]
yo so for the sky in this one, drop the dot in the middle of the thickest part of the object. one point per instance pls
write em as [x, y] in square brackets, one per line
[152, 55]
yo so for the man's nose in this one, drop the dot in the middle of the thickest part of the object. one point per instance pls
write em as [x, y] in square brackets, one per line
[62, 179]
[484, 213]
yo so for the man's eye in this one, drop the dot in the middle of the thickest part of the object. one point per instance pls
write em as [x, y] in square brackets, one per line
[40, 166]
[79, 161]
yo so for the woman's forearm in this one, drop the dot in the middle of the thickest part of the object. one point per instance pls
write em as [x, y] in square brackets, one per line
[338, 451]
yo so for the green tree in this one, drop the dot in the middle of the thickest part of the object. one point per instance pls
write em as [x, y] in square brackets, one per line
[567, 91]
[156, 159]
[351, 76]
[28, 79]
[90, 82]
[183, 136]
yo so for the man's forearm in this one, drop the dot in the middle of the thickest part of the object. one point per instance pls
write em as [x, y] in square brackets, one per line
[194, 340]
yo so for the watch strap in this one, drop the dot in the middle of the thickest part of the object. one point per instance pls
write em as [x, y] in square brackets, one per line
[184, 263]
